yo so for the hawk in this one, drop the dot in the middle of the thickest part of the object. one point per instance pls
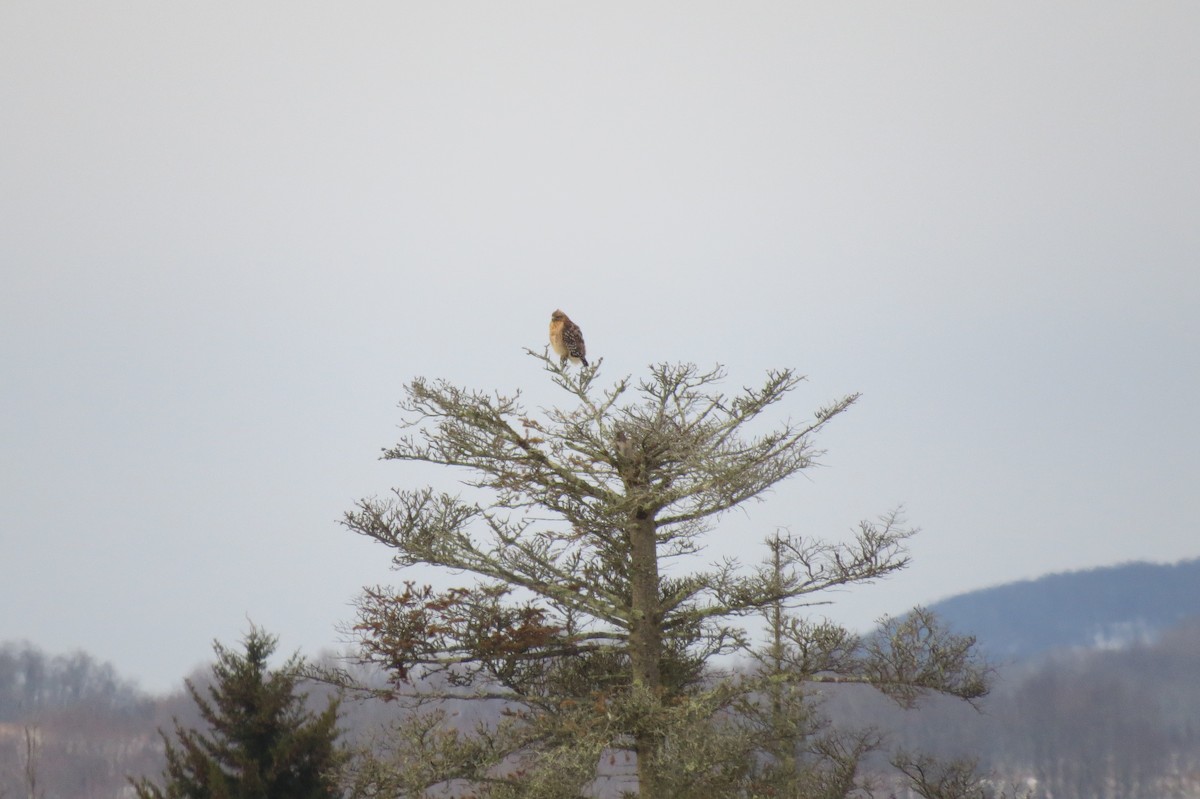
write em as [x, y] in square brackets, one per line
[567, 339]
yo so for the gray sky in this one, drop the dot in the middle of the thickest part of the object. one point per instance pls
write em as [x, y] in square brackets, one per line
[230, 233]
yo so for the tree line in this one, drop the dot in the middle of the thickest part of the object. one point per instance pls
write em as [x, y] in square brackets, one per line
[33, 682]
[1051, 720]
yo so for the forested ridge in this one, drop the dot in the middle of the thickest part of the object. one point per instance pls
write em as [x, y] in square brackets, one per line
[1104, 607]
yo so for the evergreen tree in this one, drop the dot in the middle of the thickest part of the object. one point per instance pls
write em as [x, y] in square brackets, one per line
[571, 623]
[261, 742]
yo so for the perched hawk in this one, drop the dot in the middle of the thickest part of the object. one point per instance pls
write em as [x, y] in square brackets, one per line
[567, 339]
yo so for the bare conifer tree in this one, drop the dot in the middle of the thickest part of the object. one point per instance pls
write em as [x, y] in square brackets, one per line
[566, 619]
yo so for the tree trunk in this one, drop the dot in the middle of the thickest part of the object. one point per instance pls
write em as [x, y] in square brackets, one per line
[645, 634]
[645, 641]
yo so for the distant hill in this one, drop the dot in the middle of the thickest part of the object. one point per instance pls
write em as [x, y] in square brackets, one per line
[1105, 607]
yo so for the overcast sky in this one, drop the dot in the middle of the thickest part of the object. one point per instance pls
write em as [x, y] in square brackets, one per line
[231, 232]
